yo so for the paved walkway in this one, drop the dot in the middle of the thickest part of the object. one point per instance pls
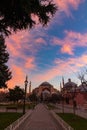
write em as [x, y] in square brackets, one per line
[40, 119]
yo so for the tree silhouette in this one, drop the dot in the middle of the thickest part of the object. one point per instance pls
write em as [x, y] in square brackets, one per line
[33, 97]
[16, 94]
[18, 14]
[5, 73]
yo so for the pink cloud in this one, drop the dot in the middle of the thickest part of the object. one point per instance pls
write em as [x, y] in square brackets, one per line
[64, 5]
[76, 39]
[40, 41]
[16, 42]
[30, 63]
[25, 40]
[70, 42]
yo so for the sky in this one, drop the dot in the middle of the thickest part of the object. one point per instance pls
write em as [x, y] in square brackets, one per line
[52, 52]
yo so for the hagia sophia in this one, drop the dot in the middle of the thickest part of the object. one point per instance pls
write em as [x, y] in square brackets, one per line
[45, 90]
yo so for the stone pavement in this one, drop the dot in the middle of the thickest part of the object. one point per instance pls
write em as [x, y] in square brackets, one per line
[40, 119]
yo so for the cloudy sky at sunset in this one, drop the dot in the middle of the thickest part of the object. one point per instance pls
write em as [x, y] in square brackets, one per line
[47, 54]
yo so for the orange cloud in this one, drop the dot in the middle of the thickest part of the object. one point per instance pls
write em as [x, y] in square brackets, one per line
[67, 49]
[18, 76]
[19, 71]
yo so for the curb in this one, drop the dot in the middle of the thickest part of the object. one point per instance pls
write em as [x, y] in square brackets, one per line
[58, 119]
[17, 123]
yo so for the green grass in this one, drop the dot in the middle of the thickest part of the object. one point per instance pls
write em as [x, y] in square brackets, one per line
[18, 105]
[51, 106]
[76, 122]
[32, 105]
[7, 118]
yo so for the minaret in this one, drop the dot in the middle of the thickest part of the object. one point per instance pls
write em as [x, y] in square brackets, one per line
[30, 87]
[63, 81]
[60, 87]
[26, 82]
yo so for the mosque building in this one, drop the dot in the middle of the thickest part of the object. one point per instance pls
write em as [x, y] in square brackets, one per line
[45, 90]
[71, 91]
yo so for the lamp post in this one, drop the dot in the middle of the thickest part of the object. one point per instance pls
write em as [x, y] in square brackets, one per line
[62, 103]
[26, 82]
[74, 101]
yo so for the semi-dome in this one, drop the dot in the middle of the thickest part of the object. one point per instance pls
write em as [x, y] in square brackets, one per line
[46, 84]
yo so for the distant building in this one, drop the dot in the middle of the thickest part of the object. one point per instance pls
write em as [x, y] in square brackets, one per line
[44, 91]
[71, 91]
[69, 86]
[81, 96]
[82, 87]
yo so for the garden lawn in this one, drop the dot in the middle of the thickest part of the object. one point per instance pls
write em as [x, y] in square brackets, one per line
[19, 105]
[76, 122]
[51, 106]
[7, 118]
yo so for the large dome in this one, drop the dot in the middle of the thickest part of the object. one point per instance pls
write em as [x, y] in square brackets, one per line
[46, 84]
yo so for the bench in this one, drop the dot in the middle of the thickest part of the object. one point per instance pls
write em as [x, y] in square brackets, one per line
[11, 108]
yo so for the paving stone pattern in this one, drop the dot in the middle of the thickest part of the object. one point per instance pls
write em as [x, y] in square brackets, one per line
[40, 119]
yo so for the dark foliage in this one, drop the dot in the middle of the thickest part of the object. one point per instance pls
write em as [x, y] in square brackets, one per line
[33, 97]
[17, 14]
[16, 94]
[5, 74]
[55, 98]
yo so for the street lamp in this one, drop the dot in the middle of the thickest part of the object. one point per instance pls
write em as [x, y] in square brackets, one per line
[26, 82]
[74, 101]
